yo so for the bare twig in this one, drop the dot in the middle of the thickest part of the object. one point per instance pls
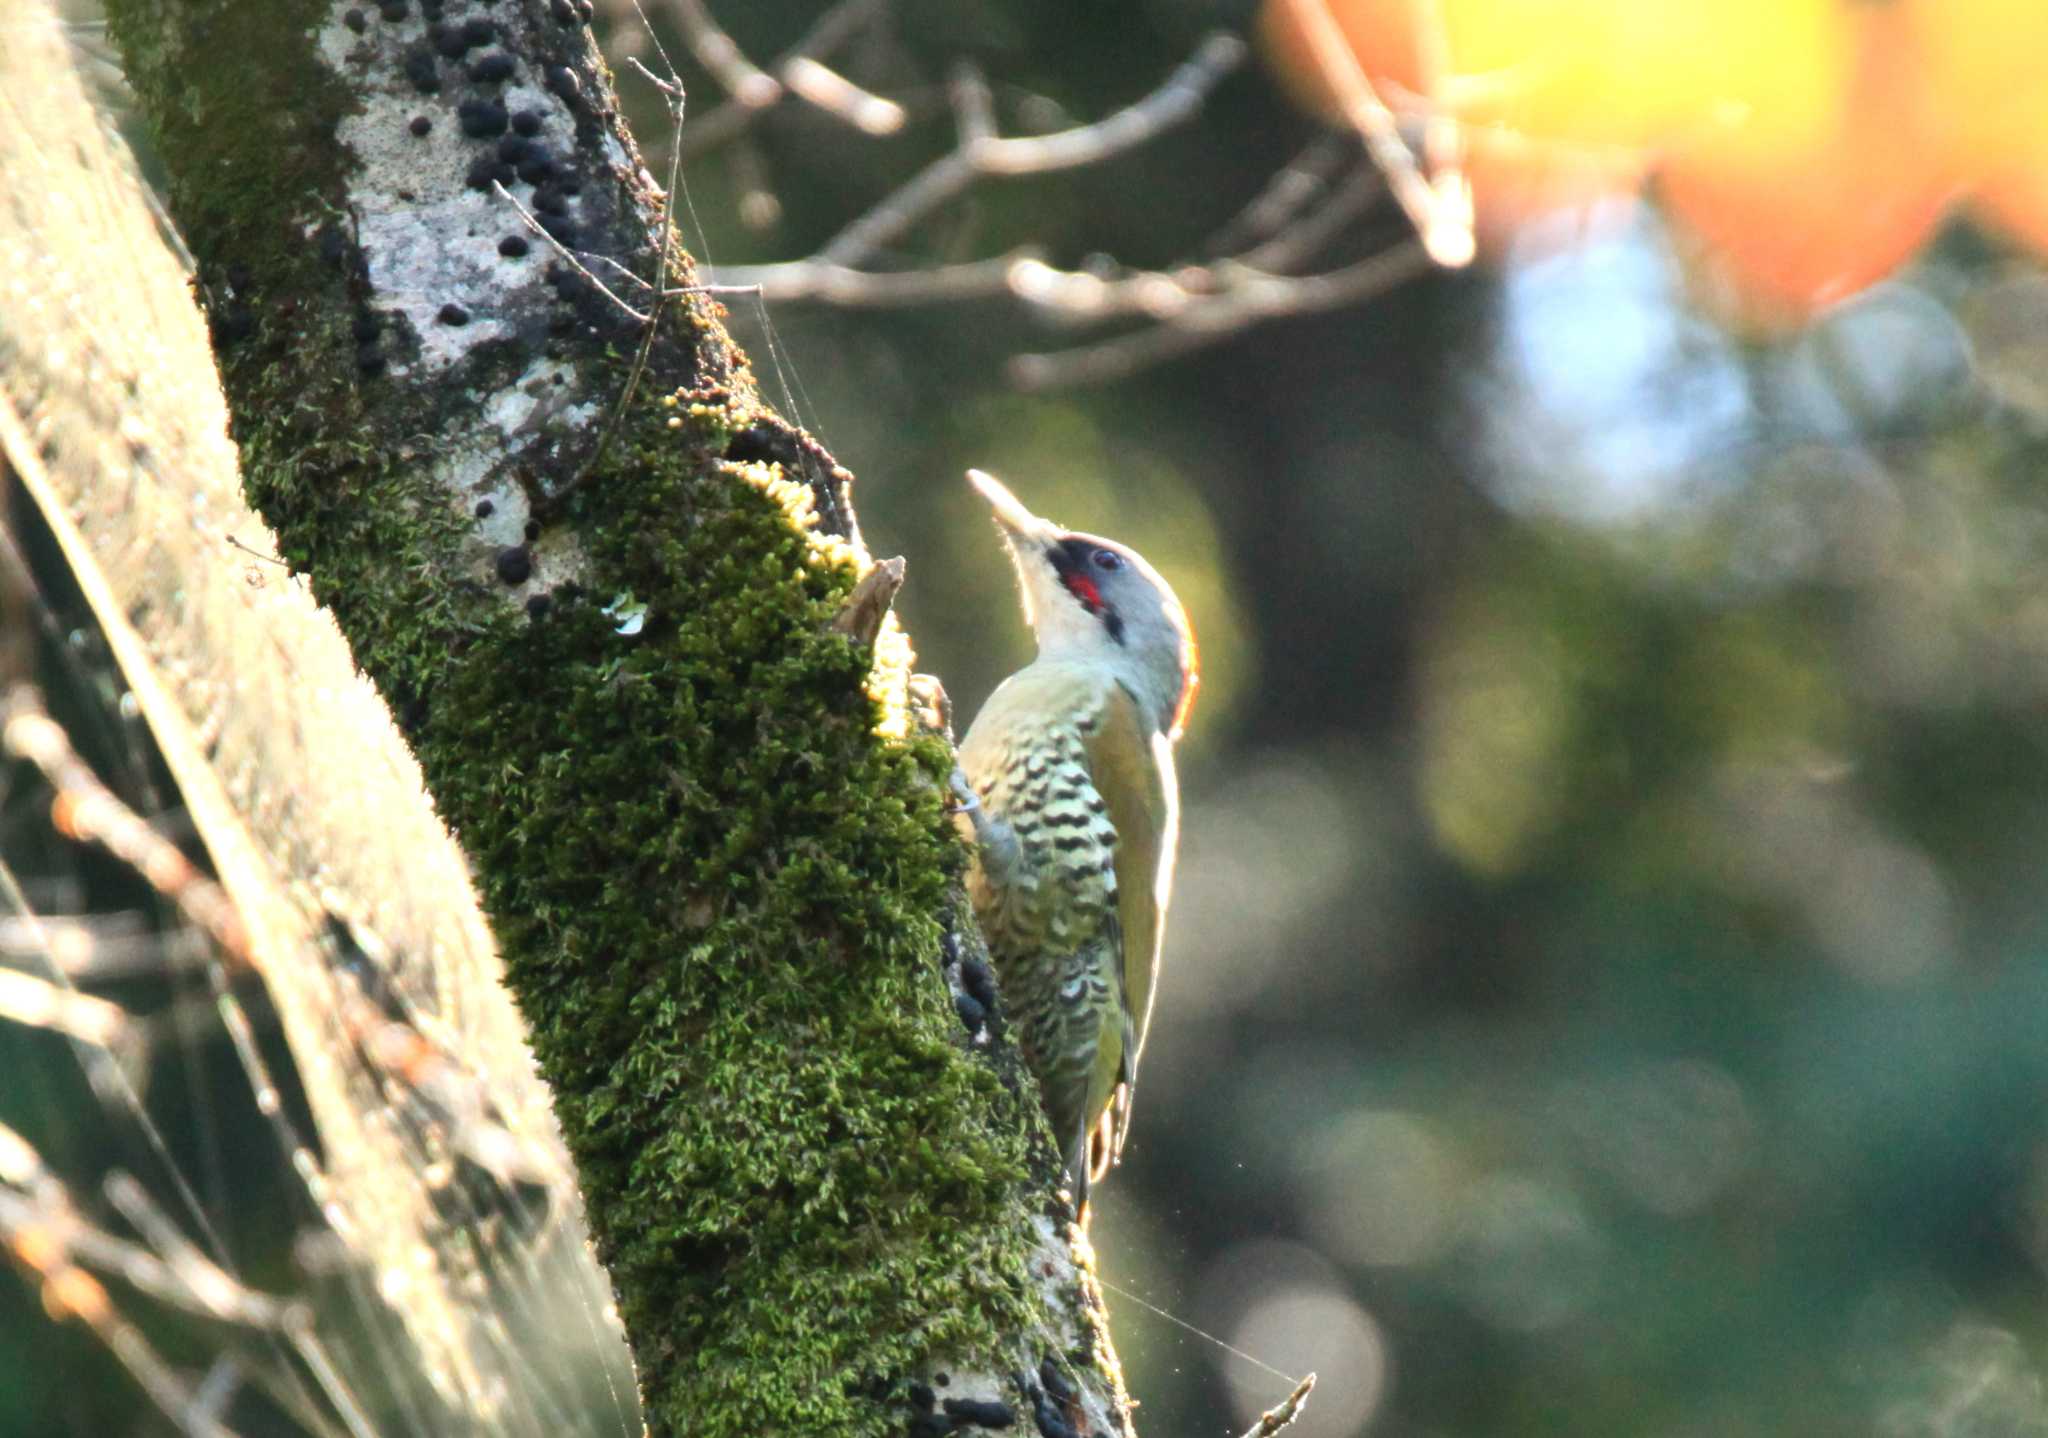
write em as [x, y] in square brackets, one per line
[1441, 211]
[99, 947]
[979, 153]
[812, 80]
[1294, 187]
[1289, 1408]
[84, 808]
[40, 1229]
[40, 1004]
[837, 25]
[856, 289]
[1301, 241]
[1245, 298]
[750, 87]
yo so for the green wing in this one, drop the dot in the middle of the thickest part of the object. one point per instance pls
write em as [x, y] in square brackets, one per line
[1132, 767]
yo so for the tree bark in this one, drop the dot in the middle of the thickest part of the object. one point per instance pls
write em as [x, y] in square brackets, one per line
[596, 577]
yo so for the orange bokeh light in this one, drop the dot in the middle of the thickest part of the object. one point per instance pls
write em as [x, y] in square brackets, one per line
[1804, 149]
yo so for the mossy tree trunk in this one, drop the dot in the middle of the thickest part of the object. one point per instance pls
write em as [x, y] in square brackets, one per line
[596, 577]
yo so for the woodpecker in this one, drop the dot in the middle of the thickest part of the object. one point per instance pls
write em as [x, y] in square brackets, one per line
[1066, 777]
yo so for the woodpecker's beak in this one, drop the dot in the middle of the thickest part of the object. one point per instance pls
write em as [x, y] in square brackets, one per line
[1026, 532]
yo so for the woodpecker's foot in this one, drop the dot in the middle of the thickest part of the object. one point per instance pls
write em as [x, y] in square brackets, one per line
[970, 802]
[1001, 850]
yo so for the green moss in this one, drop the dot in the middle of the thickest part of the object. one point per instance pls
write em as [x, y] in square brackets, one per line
[716, 889]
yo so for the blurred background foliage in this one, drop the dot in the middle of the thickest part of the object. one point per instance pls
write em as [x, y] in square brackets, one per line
[1607, 991]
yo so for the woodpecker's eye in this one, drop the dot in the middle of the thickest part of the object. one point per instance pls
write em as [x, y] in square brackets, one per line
[1108, 560]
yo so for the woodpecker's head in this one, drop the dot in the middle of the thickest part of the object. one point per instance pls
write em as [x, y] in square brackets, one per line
[1094, 599]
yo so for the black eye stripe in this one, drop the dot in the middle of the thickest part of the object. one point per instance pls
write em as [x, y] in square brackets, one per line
[1069, 555]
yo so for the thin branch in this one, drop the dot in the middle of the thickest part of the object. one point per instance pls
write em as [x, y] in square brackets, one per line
[1173, 103]
[1299, 242]
[1246, 298]
[1289, 1408]
[40, 1004]
[39, 1229]
[812, 80]
[833, 29]
[84, 808]
[979, 154]
[96, 948]
[843, 285]
[751, 87]
[1441, 211]
[1292, 189]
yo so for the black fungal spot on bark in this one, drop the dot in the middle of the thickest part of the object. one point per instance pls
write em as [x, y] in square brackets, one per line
[971, 1012]
[355, 20]
[486, 168]
[419, 68]
[233, 325]
[420, 126]
[560, 228]
[514, 564]
[392, 10]
[758, 443]
[1056, 1382]
[537, 607]
[527, 122]
[485, 509]
[370, 360]
[333, 248]
[923, 1397]
[492, 68]
[448, 42]
[562, 82]
[563, 12]
[412, 713]
[1046, 1414]
[980, 982]
[532, 530]
[536, 165]
[980, 1412]
[930, 1425]
[570, 288]
[512, 149]
[513, 247]
[481, 119]
[478, 31]
[549, 200]
[452, 314]
[365, 327]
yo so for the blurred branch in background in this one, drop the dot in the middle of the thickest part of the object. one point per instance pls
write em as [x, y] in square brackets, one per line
[1176, 310]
